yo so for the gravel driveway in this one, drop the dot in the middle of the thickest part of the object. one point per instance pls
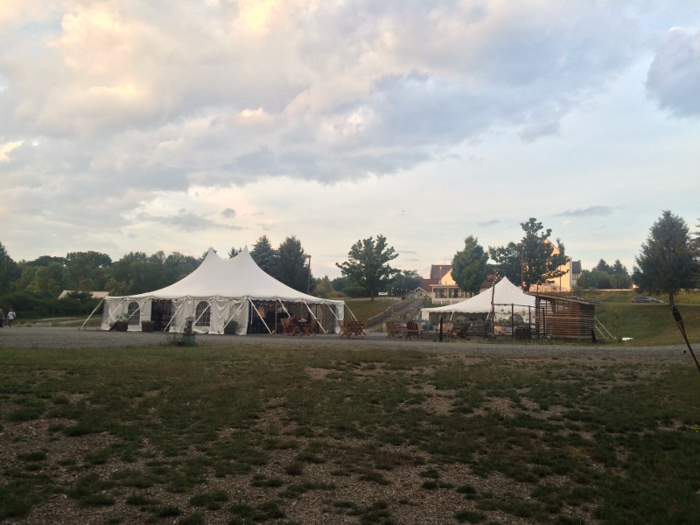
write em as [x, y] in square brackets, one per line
[45, 337]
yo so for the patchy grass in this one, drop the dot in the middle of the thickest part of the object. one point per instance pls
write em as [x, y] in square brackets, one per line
[249, 434]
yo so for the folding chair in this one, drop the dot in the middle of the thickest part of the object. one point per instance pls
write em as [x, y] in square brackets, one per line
[393, 332]
[310, 328]
[289, 329]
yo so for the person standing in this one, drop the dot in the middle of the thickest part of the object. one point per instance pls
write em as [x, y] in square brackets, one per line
[11, 317]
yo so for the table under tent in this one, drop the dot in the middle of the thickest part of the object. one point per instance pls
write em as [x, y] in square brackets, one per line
[501, 310]
[219, 291]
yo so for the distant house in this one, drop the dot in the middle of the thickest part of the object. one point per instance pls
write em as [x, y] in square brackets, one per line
[440, 284]
[564, 283]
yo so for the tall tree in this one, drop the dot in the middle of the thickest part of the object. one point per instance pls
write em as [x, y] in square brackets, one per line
[469, 266]
[291, 264]
[87, 271]
[539, 262]
[368, 263]
[507, 258]
[604, 267]
[9, 271]
[405, 281]
[666, 264]
[234, 251]
[265, 255]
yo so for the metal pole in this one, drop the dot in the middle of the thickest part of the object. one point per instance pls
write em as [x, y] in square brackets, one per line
[308, 277]
[441, 329]
[679, 321]
[93, 313]
[512, 321]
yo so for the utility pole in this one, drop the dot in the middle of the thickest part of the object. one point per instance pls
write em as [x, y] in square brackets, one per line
[522, 264]
[308, 277]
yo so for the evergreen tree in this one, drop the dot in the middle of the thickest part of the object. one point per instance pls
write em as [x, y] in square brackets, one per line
[233, 252]
[368, 263]
[604, 267]
[666, 263]
[291, 264]
[265, 255]
[469, 266]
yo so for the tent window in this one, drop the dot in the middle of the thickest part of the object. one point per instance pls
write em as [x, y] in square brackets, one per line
[134, 319]
[203, 313]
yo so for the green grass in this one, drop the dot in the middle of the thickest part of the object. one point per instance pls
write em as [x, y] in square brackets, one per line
[364, 308]
[649, 324]
[682, 298]
[585, 440]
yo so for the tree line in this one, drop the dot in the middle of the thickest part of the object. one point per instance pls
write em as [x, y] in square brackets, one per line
[668, 263]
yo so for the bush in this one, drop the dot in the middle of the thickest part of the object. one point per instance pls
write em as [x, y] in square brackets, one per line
[30, 305]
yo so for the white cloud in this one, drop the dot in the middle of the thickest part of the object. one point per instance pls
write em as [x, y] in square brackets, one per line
[674, 75]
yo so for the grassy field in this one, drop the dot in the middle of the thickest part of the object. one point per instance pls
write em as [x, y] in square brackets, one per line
[364, 308]
[627, 296]
[244, 435]
[649, 324]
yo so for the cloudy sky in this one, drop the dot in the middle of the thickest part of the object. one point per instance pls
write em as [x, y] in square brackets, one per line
[158, 125]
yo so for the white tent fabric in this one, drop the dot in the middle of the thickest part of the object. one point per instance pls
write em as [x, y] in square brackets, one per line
[226, 285]
[505, 293]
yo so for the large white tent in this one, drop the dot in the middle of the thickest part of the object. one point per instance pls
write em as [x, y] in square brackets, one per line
[218, 291]
[506, 298]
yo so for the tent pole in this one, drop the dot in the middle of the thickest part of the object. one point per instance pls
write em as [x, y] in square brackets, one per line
[173, 316]
[276, 301]
[353, 315]
[93, 312]
[260, 316]
[234, 313]
[319, 322]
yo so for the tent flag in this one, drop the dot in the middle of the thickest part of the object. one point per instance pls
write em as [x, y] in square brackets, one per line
[218, 286]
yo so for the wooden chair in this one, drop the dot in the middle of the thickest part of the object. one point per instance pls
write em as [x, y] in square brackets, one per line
[448, 330]
[310, 328]
[289, 329]
[414, 329]
[345, 329]
[393, 332]
[462, 333]
[355, 330]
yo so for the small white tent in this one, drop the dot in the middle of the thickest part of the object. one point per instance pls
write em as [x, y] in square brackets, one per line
[218, 291]
[505, 293]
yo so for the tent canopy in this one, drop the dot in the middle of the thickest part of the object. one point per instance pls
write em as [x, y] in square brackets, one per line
[233, 278]
[224, 284]
[505, 293]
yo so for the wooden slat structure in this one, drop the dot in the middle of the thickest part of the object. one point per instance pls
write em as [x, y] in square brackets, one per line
[564, 318]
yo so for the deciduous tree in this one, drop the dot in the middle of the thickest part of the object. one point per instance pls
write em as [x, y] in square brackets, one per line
[470, 266]
[666, 264]
[540, 263]
[368, 263]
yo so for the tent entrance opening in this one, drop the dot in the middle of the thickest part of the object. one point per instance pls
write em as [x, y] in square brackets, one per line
[161, 313]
